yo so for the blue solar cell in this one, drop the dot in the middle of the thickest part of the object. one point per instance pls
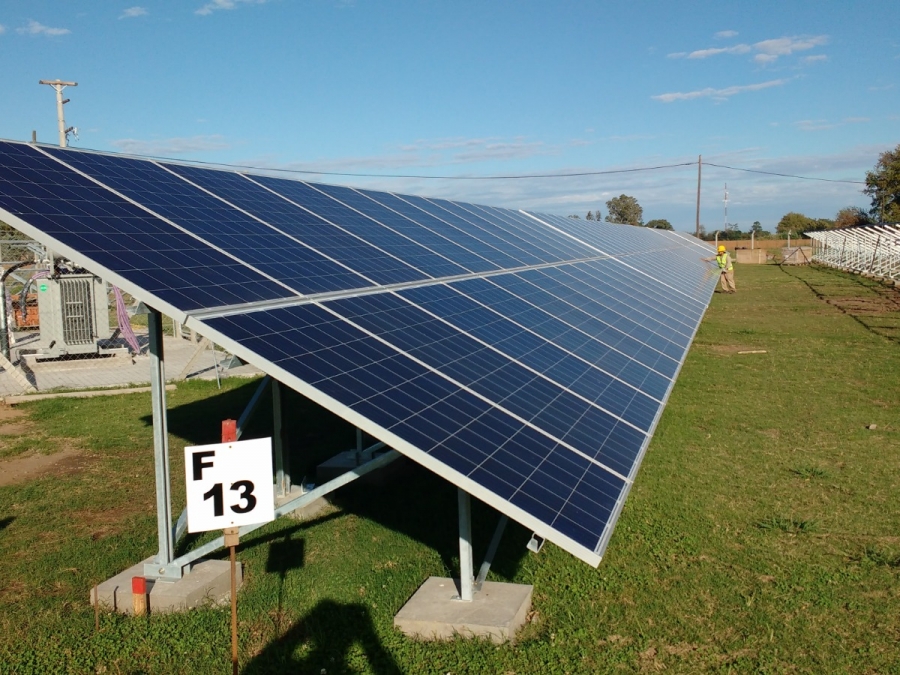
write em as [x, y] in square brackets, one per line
[121, 237]
[487, 246]
[439, 241]
[539, 235]
[324, 201]
[221, 225]
[290, 217]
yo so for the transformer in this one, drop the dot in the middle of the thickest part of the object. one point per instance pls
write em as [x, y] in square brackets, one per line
[74, 315]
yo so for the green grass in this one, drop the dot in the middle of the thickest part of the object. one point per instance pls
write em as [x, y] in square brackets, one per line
[762, 533]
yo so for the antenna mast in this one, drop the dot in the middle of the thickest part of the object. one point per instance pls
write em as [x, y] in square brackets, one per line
[726, 207]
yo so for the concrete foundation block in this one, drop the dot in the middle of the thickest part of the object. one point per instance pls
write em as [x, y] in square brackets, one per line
[496, 612]
[308, 512]
[208, 582]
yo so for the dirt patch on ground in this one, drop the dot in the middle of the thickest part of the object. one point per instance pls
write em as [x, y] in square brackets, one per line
[13, 421]
[22, 469]
[103, 523]
[869, 306]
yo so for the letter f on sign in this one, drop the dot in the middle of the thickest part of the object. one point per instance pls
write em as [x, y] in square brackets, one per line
[199, 464]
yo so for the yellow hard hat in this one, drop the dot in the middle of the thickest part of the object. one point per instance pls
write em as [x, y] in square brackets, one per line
[721, 249]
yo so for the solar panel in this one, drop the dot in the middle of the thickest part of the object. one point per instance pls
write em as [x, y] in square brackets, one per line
[524, 357]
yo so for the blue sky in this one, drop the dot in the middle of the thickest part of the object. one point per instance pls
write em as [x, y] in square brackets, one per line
[487, 88]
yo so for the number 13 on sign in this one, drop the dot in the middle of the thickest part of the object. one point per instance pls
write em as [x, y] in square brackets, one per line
[229, 484]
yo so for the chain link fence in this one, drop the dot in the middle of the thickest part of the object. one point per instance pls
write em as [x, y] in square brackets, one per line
[64, 329]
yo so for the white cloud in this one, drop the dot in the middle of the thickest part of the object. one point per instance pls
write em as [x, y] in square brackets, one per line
[814, 125]
[2, 29]
[815, 58]
[769, 50]
[171, 146]
[766, 51]
[35, 28]
[709, 92]
[216, 5]
[133, 12]
[724, 34]
[823, 125]
[885, 87]
[705, 53]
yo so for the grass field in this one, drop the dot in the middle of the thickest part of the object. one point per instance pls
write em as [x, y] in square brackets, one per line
[762, 534]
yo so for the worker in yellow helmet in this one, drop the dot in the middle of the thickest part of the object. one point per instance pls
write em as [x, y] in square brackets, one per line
[726, 269]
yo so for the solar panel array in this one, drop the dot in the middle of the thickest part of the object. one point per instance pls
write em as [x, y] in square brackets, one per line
[524, 357]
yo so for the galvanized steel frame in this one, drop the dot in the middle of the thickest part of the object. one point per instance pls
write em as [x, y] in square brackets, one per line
[872, 250]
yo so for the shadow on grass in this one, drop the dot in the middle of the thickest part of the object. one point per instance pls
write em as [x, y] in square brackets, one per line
[423, 506]
[404, 497]
[888, 294]
[328, 632]
[200, 422]
[285, 554]
[5, 522]
[188, 541]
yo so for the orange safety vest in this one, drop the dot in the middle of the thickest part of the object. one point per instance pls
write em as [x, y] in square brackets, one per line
[724, 261]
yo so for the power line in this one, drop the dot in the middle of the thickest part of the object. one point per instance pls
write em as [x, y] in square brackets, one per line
[575, 174]
[786, 175]
[404, 175]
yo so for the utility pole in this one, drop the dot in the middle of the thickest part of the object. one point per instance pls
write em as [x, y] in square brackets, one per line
[59, 85]
[699, 167]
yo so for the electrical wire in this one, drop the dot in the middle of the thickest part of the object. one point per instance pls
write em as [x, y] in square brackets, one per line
[574, 174]
[405, 175]
[783, 175]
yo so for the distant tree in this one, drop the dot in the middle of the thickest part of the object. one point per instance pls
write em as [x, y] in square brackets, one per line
[574, 216]
[589, 216]
[756, 227]
[597, 215]
[659, 224]
[851, 216]
[796, 223]
[883, 186]
[624, 210]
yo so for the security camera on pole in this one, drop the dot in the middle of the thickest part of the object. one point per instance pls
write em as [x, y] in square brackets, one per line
[59, 85]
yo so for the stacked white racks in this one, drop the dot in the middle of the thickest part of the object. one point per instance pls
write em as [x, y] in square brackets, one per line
[872, 250]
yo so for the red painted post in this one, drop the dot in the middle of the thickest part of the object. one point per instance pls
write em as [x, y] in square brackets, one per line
[229, 431]
[229, 435]
[139, 595]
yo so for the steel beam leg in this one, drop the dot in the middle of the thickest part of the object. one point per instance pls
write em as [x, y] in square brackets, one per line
[282, 462]
[491, 552]
[466, 566]
[162, 568]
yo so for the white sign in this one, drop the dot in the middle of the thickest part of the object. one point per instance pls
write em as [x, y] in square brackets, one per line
[229, 484]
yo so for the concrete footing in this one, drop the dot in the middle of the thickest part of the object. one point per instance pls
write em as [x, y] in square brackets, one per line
[208, 582]
[308, 512]
[496, 612]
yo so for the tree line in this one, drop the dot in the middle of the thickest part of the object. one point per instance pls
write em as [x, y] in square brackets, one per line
[625, 210]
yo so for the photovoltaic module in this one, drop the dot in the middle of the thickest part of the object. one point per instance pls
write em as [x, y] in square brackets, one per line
[524, 357]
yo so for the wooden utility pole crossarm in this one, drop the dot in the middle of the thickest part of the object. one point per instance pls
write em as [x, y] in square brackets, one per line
[59, 85]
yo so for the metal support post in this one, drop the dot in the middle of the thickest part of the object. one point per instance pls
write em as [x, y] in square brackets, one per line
[282, 461]
[4, 328]
[163, 567]
[466, 566]
[491, 552]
